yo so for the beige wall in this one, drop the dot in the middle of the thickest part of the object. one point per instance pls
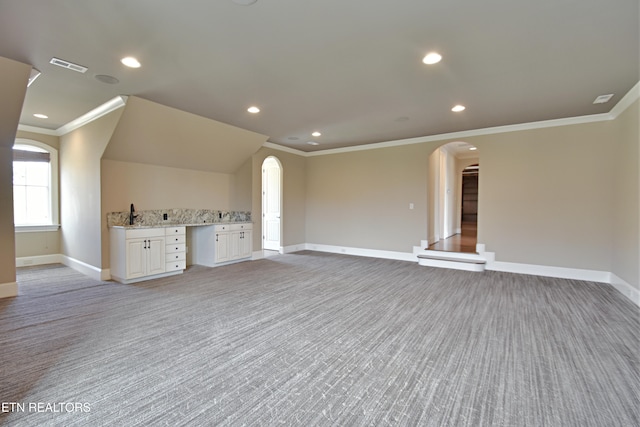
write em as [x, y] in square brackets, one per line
[240, 189]
[13, 86]
[545, 195]
[84, 233]
[29, 244]
[361, 199]
[160, 187]
[45, 242]
[626, 191]
[294, 173]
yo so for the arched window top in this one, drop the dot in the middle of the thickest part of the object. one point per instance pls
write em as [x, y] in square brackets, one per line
[32, 145]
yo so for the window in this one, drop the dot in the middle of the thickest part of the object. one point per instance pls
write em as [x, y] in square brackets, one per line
[35, 186]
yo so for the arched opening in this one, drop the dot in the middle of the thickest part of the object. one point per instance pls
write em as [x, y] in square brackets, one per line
[271, 205]
[453, 197]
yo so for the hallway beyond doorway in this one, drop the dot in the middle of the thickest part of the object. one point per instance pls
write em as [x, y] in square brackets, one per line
[463, 242]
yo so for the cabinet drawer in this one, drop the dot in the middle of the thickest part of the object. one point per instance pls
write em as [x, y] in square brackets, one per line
[141, 233]
[175, 265]
[240, 227]
[221, 227]
[178, 238]
[175, 256]
[178, 247]
[171, 231]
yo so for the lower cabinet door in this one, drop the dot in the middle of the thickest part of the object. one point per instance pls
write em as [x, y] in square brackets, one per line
[155, 253]
[136, 258]
[223, 249]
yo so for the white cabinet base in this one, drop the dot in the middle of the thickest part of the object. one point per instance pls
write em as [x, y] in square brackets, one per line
[143, 278]
[139, 254]
[221, 244]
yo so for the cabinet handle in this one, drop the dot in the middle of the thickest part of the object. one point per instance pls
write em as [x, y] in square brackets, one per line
[216, 237]
[145, 245]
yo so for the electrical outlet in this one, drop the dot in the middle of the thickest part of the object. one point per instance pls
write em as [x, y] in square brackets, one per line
[165, 217]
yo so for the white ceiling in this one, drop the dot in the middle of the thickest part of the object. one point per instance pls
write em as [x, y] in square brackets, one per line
[349, 68]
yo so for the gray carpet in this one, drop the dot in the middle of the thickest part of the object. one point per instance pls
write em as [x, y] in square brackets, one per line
[313, 339]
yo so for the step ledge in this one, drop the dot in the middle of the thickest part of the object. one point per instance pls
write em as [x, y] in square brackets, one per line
[452, 256]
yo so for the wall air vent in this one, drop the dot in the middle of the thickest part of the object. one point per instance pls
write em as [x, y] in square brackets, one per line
[69, 65]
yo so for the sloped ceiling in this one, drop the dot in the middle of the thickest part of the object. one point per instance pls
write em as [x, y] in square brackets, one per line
[155, 134]
[351, 69]
[14, 78]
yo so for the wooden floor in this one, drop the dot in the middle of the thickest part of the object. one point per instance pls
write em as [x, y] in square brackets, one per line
[463, 242]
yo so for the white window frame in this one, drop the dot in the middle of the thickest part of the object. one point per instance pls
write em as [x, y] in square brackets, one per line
[53, 188]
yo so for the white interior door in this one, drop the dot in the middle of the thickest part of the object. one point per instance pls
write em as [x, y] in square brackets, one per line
[271, 202]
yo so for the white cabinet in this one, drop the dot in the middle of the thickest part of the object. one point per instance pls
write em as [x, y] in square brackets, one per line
[140, 254]
[240, 241]
[221, 244]
[144, 257]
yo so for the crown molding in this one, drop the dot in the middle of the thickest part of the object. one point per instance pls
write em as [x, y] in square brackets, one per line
[34, 129]
[284, 148]
[620, 107]
[626, 101]
[104, 109]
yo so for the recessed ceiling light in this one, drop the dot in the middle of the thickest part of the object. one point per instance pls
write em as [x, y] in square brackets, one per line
[316, 133]
[313, 143]
[130, 62]
[603, 99]
[458, 108]
[253, 110]
[41, 116]
[473, 148]
[432, 58]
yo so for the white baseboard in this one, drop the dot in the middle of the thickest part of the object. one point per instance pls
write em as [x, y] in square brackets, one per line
[569, 273]
[372, 253]
[625, 289]
[95, 273]
[293, 248]
[38, 260]
[550, 271]
[8, 290]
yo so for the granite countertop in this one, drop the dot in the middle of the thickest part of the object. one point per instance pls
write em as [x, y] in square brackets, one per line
[163, 218]
[137, 226]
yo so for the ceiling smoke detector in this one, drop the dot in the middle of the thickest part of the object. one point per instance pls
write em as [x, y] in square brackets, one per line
[104, 78]
[68, 65]
[602, 99]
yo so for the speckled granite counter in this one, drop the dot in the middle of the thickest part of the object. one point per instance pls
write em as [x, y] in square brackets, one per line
[177, 217]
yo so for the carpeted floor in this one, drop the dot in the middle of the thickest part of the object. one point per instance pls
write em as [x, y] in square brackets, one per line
[314, 339]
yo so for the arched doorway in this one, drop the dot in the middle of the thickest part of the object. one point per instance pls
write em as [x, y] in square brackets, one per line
[453, 197]
[271, 204]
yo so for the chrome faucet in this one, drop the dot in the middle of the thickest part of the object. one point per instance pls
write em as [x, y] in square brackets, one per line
[132, 217]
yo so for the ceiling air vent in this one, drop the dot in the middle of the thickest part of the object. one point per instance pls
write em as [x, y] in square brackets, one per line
[603, 99]
[69, 65]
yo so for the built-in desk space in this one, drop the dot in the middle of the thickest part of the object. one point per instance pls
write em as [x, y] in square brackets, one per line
[155, 245]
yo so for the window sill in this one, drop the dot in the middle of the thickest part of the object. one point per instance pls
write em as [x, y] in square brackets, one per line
[36, 228]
